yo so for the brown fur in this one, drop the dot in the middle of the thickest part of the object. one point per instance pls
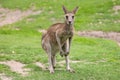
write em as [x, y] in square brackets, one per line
[58, 39]
[65, 31]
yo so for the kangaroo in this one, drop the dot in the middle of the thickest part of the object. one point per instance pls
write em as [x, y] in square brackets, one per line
[58, 39]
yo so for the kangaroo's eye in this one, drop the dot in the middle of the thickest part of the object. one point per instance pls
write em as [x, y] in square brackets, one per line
[73, 17]
[66, 17]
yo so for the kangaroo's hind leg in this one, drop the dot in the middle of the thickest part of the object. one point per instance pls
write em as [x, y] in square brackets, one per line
[54, 61]
[50, 60]
[50, 56]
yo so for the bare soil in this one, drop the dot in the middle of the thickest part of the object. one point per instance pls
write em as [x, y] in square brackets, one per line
[16, 67]
[8, 16]
[4, 77]
[61, 63]
[39, 64]
[116, 8]
[100, 34]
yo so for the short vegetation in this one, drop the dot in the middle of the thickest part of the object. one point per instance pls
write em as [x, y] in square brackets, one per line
[93, 58]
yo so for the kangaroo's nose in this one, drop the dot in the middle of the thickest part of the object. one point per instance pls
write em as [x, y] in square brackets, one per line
[69, 22]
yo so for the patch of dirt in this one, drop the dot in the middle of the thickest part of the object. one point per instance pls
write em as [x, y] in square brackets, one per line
[4, 77]
[10, 16]
[71, 61]
[41, 65]
[109, 35]
[17, 67]
[116, 8]
[61, 63]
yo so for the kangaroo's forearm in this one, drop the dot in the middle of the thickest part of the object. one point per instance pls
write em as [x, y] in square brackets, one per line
[67, 45]
[59, 43]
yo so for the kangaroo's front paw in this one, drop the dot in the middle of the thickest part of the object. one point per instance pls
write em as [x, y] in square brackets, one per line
[62, 53]
[66, 54]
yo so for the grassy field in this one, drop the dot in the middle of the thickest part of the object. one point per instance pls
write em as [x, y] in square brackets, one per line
[99, 58]
[92, 15]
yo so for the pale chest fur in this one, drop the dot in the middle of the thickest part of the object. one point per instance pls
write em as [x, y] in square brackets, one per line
[65, 35]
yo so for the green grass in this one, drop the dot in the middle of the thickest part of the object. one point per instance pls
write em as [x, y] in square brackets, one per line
[100, 58]
[92, 15]
[92, 51]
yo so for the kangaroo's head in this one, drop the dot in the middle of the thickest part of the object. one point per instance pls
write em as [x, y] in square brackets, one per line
[69, 15]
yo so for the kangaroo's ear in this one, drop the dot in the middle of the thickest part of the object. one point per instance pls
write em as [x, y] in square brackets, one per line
[75, 10]
[64, 9]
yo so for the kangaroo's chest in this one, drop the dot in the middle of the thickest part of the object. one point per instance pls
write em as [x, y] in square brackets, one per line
[65, 35]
